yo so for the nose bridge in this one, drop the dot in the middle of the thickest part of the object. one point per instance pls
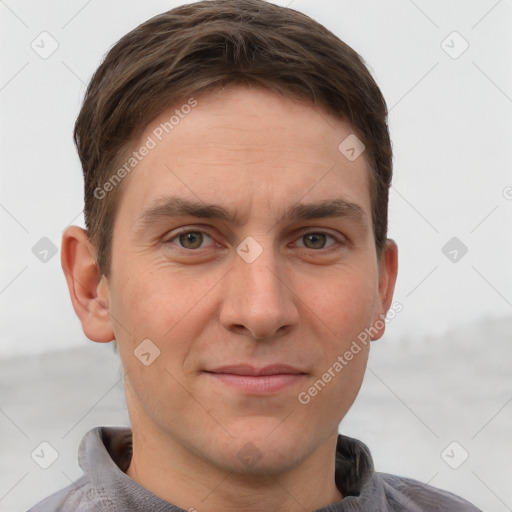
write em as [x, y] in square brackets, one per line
[260, 276]
[257, 295]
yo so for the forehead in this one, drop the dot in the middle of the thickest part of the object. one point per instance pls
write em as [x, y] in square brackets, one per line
[244, 147]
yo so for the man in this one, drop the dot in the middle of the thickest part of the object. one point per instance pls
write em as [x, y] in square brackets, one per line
[237, 163]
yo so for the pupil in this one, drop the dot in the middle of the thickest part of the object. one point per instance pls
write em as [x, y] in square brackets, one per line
[191, 240]
[315, 238]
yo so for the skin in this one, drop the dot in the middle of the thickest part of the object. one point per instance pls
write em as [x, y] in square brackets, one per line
[301, 302]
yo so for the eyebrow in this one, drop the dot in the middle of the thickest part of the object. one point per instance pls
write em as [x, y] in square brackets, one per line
[170, 207]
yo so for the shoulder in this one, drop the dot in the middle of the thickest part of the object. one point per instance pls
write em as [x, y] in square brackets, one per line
[76, 497]
[412, 495]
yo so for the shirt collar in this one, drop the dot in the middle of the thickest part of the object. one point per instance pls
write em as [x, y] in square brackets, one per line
[105, 454]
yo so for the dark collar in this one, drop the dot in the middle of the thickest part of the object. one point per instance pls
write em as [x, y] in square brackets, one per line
[105, 454]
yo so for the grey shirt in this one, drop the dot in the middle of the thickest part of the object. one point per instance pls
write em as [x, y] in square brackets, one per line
[105, 454]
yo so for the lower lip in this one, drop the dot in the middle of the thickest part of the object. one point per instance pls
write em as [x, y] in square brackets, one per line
[261, 384]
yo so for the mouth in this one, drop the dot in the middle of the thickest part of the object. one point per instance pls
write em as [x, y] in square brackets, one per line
[257, 380]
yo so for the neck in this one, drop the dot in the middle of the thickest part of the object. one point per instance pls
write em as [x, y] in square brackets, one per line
[175, 474]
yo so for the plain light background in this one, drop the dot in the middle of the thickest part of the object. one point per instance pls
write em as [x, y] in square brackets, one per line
[450, 121]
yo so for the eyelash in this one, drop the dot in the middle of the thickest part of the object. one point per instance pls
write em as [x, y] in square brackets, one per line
[338, 241]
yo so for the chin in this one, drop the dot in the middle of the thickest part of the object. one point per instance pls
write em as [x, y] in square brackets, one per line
[264, 447]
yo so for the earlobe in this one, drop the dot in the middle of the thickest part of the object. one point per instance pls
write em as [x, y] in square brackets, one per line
[88, 290]
[388, 270]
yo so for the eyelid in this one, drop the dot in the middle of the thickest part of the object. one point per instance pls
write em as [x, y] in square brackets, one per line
[324, 231]
[184, 230]
[338, 238]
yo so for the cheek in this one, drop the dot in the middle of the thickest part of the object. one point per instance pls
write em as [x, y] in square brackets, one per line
[142, 306]
[160, 304]
[163, 308]
[334, 391]
[342, 302]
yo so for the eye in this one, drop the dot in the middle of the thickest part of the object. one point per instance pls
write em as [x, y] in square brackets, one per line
[317, 240]
[193, 240]
[190, 239]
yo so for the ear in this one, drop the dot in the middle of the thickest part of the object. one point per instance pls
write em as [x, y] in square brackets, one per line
[88, 289]
[388, 269]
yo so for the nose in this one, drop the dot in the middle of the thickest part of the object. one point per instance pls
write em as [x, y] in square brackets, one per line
[258, 299]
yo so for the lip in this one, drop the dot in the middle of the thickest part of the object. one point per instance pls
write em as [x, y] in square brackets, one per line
[257, 380]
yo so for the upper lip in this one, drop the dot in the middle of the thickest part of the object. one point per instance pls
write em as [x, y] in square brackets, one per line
[244, 369]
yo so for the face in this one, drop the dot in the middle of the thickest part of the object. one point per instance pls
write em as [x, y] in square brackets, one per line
[243, 250]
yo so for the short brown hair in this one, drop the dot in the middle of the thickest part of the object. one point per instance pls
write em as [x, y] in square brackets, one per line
[211, 44]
